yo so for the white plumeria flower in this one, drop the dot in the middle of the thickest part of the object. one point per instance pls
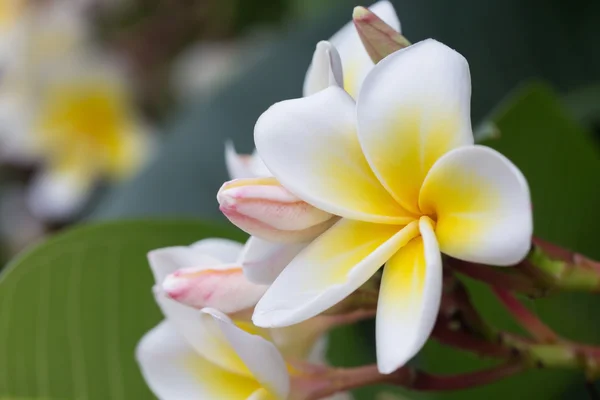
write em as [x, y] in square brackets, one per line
[85, 130]
[47, 34]
[68, 108]
[355, 60]
[401, 169]
[205, 353]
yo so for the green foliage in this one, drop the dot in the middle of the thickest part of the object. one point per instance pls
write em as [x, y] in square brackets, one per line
[73, 308]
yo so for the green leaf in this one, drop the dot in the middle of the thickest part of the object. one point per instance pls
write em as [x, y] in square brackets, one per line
[73, 308]
[562, 165]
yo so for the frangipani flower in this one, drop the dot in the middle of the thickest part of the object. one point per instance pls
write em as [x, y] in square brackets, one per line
[206, 355]
[354, 58]
[400, 168]
[86, 129]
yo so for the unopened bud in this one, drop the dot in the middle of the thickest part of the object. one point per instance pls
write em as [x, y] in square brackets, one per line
[264, 208]
[225, 289]
[379, 39]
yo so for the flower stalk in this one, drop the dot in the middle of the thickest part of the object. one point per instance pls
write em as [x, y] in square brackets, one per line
[546, 268]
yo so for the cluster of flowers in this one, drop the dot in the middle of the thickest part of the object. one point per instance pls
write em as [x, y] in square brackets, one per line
[65, 105]
[374, 166]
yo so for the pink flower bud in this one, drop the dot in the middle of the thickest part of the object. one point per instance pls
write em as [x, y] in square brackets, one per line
[379, 39]
[264, 208]
[224, 288]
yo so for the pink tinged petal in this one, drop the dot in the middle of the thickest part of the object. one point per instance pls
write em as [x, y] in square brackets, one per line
[260, 356]
[325, 69]
[241, 166]
[330, 269]
[226, 289]
[310, 145]
[264, 208]
[409, 299]
[263, 261]
[482, 205]
[225, 250]
[167, 260]
[174, 370]
[355, 59]
[413, 108]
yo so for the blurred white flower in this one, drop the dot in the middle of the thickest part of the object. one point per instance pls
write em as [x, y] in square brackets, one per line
[66, 107]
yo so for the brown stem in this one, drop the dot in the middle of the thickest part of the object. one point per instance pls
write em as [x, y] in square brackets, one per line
[407, 377]
[428, 382]
[445, 334]
[540, 331]
[515, 279]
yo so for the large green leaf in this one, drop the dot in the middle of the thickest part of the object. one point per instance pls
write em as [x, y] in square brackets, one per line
[73, 308]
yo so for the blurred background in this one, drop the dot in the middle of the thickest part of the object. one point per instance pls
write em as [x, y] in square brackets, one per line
[120, 109]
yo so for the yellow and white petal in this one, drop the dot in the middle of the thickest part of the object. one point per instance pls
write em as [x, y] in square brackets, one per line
[413, 108]
[325, 69]
[262, 394]
[329, 269]
[174, 371]
[225, 250]
[58, 195]
[260, 356]
[482, 204]
[409, 299]
[241, 166]
[263, 261]
[311, 147]
[225, 289]
[167, 260]
[201, 333]
[355, 59]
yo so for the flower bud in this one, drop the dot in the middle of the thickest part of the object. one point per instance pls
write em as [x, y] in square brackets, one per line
[224, 288]
[264, 208]
[379, 39]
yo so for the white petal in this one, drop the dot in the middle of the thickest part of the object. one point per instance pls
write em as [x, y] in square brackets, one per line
[355, 59]
[224, 250]
[57, 195]
[311, 147]
[409, 300]
[261, 356]
[167, 260]
[325, 69]
[329, 269]
[263, 261]
[202, 334]
[413, 108]
[482, 204]
[174, 371]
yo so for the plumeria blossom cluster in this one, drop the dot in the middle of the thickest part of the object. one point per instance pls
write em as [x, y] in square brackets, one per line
[65, 106]
[374, 168]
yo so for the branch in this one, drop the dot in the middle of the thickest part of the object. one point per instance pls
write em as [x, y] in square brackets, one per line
[540, 331]
[346, 379]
